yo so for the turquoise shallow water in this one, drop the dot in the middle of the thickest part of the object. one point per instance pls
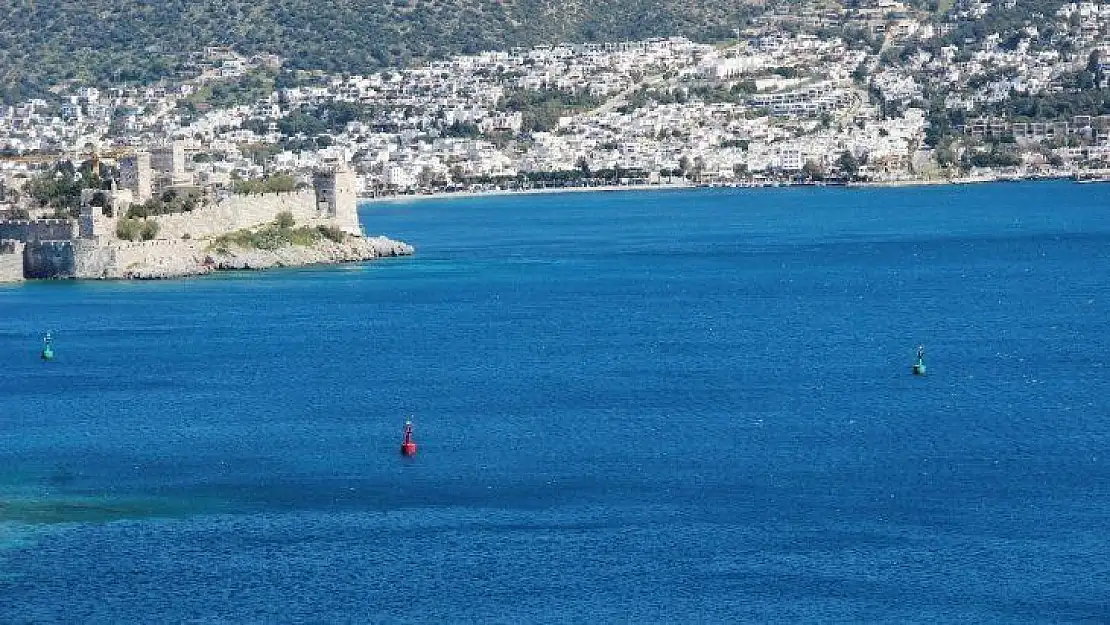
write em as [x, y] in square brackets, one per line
[675, 406]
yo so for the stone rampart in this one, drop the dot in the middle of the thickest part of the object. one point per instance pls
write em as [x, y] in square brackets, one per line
[11, 261]
[238, 212]
[162, 257]
[38, 229]
[93, 260]
[49, 259]
[157, 258]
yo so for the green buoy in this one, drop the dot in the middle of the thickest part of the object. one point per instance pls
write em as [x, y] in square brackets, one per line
[919, 364]
[47, 347]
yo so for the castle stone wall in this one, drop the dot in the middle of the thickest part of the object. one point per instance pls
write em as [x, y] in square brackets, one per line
[164, 256]
[122, 259]
[238, 212]
[11, 261]
[91, 259]
[38, 229]
[49, 259]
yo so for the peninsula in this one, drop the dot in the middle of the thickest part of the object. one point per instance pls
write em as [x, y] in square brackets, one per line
[121, 231]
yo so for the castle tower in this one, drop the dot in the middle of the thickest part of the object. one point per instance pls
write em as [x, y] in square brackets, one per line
[169, 164]
[135, 174]
[336, 198]
[100, 212]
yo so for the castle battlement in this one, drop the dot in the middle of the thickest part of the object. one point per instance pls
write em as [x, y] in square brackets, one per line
[28, 230]
[48, 221]
[49, 259]
[153, 243]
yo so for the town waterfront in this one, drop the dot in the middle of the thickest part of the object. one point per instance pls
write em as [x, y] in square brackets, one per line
[662, 406]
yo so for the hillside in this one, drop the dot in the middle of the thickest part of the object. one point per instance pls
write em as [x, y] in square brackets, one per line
[50, 42]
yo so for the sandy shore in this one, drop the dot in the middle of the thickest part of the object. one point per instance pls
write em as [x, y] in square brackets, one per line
[501, 192]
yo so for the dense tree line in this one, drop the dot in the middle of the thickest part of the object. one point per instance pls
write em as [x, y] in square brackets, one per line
[168, 202]
[1007, 21]
[59, 187]
[708, 93]
[278, 183]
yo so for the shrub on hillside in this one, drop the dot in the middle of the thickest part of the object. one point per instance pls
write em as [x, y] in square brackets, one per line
[270, 237]
[332, 233]
[132, 229]
[128, 229]
[285, 220]
[149, 230]
[278, 183]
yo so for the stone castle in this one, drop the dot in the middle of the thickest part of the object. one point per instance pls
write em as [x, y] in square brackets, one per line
[89, 247]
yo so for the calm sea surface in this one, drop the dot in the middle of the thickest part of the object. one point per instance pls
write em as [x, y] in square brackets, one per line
[674, 406]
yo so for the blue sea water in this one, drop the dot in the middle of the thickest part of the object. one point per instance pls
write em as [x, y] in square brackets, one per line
[674, 406]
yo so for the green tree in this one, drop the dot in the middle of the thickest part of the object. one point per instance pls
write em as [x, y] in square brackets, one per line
[946, 155]
[148, 230]
[699, 167]
[129, 229]
[583, 166]
[848, 164]
[813, 170]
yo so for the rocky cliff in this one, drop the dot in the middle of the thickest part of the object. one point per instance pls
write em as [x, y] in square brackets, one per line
[152, 260]
[325, 251]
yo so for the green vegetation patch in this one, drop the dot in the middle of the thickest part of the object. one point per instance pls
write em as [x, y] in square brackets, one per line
[59, 187]
[170, 201]
[281, 233]
[248, 89]
[133, 229]
[944, 6]
[278, 183]
[540, 110]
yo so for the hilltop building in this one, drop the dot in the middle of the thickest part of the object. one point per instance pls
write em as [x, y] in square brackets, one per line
[136, 174]
[169, 166]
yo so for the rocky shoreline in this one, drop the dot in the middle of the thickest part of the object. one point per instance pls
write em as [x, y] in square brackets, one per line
[196, 259]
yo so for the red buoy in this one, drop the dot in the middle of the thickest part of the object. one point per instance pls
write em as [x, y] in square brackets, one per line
[408, 447]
